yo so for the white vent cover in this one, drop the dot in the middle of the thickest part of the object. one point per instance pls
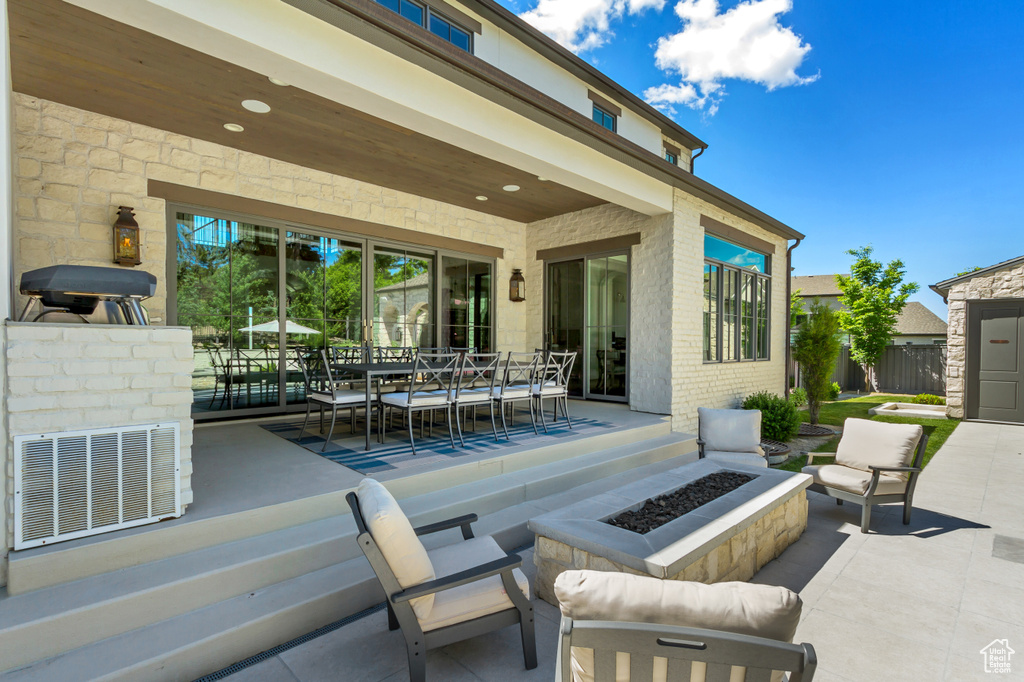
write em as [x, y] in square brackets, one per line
[75, 483]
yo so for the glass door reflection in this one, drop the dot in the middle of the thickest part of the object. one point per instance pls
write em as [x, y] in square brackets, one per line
[588, 312]
[403, 296]
[565, 312]
[324, 289]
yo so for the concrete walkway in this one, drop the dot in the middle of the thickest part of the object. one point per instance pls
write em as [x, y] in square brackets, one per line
[905, 603]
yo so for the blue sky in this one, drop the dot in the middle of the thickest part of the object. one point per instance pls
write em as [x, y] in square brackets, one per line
[909, 137]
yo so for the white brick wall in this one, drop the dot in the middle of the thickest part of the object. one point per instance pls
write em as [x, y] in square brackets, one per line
[720, 385]
[66, 377]
[650, 307]
[667, 372]
[1007, 283]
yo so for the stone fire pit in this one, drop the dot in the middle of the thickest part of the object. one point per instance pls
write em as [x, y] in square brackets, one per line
[730, 538]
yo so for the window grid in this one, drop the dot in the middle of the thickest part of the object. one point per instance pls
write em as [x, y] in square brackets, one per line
[604, 118]
[672, 158]
[737, 307]
[438, 24]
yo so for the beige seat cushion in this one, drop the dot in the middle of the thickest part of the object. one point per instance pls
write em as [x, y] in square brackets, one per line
[742, 608]
[867, 443]
[475, 599]
[396, 540]
[854, 480]
[748, 458]
[730, 430]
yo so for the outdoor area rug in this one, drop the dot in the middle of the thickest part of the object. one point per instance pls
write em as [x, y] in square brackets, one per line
[395, 453]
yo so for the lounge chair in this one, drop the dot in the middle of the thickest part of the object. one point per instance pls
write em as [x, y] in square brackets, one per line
[872, 466]
[618, 627]
[447, 594]
[731, 436]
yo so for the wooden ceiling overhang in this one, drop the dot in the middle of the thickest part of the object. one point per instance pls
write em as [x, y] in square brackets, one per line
[62, 53]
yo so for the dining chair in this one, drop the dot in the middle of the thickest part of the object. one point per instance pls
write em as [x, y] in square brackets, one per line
[553, 382]
[473, 387]
[323, 391]
[517, 380]
[430, 371]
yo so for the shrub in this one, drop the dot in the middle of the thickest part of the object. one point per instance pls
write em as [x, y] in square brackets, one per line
[834, 390]
[928, 399]
[815, 349]
[798, 396]
[779, 418]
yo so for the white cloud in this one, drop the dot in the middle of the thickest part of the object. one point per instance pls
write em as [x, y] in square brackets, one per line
[746, 42]
[582, 25]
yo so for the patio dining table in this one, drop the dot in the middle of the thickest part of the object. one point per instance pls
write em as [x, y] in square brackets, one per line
[370, 370]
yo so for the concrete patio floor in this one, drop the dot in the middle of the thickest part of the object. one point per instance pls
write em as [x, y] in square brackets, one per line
[906, 603]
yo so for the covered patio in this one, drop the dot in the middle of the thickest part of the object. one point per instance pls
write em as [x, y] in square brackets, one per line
[902, 603]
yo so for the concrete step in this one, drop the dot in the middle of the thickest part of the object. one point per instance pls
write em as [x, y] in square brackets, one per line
[198, 641]
[77, 559]
[52, 621]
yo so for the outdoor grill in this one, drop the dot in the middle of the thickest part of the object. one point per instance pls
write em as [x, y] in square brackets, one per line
[81, 293]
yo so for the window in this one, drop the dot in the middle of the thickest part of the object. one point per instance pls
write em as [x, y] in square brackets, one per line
[737, 302]
[672, 158]
[425, 16]
[604, 118]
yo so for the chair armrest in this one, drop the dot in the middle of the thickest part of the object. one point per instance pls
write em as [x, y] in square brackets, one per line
[470, 575]
[700, 448]
[897, 469]
[458, 521]
[812, 455]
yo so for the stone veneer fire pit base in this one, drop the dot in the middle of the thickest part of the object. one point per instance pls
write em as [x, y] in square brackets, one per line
[730, 538]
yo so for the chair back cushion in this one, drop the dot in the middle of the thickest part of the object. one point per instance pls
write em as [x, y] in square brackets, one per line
[730, 430]
[397, 541]
[742, 608]
[867, 443]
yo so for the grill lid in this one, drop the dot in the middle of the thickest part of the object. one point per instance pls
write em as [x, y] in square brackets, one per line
[104, 283]
[80, 287]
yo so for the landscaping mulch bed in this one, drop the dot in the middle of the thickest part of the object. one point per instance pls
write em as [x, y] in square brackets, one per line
[658, 511]
[814, 430]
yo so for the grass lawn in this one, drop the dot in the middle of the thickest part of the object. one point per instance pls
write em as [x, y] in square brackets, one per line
[836, 413]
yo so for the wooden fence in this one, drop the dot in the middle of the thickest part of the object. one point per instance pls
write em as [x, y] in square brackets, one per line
[902, 369]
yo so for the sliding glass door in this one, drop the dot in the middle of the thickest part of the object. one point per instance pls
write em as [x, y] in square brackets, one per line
[403, 295]
[254, 293]
[587, 311]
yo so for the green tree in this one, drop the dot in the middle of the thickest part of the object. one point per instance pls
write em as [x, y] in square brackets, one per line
[816, 348]
[968, 271]
[873, 297]
[796, 307]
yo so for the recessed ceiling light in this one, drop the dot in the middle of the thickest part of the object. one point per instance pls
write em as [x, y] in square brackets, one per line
[481, 198]
[511, 188]
[233, 127]
[278, 81]
[542, 179]
[256, 106]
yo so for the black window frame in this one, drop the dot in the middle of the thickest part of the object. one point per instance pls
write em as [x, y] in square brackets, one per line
[672, 158]
[430, 13]
[760, 288]
[605, 114]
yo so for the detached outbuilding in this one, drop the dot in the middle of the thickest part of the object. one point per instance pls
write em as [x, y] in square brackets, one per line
[985, 368]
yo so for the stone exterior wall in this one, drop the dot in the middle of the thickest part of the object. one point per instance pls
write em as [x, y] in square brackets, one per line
[1007, 283]
[650, 306]
[718, 385]
[736, 559]
[69, 377]
[74, 168]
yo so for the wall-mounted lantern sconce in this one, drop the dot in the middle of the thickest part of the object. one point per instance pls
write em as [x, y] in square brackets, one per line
[517, 286]
[126, 238]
